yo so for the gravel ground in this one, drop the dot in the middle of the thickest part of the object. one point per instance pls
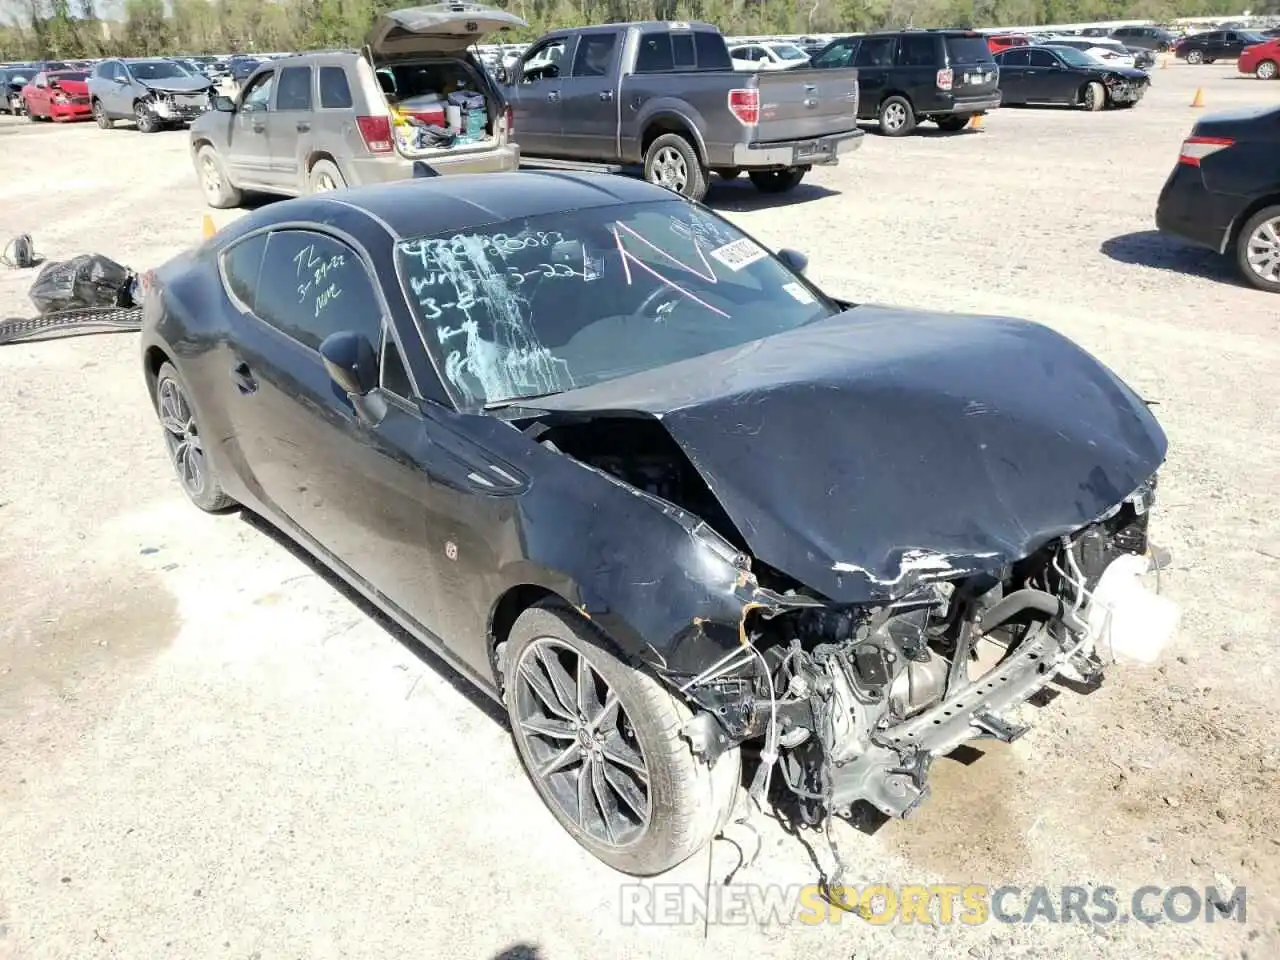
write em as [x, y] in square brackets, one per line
[209, 750]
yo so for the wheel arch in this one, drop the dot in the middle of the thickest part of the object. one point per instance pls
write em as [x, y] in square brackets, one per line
[315, 156]
[1232, 236]
[153, 358]
[896, 93]
[664, 122]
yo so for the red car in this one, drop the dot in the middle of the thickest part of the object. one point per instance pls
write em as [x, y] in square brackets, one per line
[1261, 59]
[58, 95]
[1003, 41]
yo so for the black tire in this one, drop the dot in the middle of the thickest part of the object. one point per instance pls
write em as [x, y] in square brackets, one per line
[672, 162]
[687, 801]
[219, 192]
[100, 116]
[195, 471]
[1247, 239]
[325, 177]
[147, 121]
[777, 181]
[1210, 60]
[953, 124]
[897, 118]
[1267, 70]
[1195, 56]
[728, 173]
[1093, 96]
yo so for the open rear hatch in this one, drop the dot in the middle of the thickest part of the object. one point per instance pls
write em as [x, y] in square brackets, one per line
[438, 28]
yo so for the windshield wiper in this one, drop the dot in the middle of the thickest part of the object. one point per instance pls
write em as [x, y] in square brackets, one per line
[515, 401]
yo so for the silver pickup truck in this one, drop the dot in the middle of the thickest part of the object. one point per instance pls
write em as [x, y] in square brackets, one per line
[666, 95]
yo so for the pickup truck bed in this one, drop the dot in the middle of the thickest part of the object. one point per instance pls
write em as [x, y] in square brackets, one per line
[601, 95]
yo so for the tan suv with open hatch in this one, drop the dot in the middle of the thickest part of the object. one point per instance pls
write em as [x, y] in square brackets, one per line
[323, 121]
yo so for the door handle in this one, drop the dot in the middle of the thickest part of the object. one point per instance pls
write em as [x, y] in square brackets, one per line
[244, 379]
[606, 94]
[553, 96]
[303, 126]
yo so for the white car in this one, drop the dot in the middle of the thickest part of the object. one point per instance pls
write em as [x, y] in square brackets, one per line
[773, 55]
[1113, 53]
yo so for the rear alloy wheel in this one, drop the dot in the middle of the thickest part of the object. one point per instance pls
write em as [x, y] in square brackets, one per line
[897, 119]
[325, 177]
[1094, 97]
[100, 116]
[601, 742]
[146, 120]
[219, 192]
[1266, 70]
[186, 449]
[1195, 56]
[1258, 250]
[672, 162]
[777, 181]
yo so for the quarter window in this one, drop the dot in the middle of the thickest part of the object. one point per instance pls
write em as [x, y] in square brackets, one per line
[312, 285]
[241, 265]
[335, 90]
[840, 55]
[295, 89]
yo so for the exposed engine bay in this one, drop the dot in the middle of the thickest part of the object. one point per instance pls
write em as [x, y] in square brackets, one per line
[853, 702]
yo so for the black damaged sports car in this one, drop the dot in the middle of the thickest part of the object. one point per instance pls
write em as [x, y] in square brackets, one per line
[641, 481]
[1065, 75]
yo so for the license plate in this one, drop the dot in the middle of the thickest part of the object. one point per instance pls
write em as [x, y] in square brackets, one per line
[812, 150]
[976, 78]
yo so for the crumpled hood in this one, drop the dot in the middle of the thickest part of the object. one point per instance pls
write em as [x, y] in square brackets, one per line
[881, 446]
[178, 84]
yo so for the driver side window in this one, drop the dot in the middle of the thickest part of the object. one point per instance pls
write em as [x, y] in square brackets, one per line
[543, 63]
[1042, 58]
[838, 56]
[257, 96]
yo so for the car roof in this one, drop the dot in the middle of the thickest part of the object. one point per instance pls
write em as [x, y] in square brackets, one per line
[438, 205]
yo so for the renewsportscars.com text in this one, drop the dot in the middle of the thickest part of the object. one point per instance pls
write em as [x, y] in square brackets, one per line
[970, 904]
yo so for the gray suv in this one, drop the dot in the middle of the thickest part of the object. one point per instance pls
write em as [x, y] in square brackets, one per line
[152, 92]
[324, 121]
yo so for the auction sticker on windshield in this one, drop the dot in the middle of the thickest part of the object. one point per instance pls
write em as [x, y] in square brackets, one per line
[740, 253]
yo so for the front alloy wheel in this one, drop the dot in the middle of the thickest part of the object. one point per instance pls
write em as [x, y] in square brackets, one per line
[600, 738]
[581, 743]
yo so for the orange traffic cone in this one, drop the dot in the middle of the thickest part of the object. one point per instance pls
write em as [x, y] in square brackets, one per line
[1199, 98]
[976, 122]
[207, 228]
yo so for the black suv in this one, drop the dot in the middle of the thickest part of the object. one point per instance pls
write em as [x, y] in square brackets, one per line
[1145, 38]
[904, 77]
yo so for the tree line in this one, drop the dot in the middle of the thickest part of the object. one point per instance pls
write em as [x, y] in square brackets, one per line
[60, 29]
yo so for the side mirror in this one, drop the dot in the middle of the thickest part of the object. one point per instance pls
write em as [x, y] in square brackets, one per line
[794, 259]
[224, 104]
[352, 364]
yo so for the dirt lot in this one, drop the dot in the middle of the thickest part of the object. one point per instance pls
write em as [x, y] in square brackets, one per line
[208, 750]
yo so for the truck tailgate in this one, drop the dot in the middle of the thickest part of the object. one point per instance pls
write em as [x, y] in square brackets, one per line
[801, 104]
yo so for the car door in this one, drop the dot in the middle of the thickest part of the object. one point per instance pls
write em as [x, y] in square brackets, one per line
[362, 492]
[874, 61]
[249, 146]
[115, 95]
[289, 134]
[917, 61]
[589, 97]
[1014, 68]
[1232, 44]
[1211, 45]
[536, 97]
[37, 95]
[1047, 79]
